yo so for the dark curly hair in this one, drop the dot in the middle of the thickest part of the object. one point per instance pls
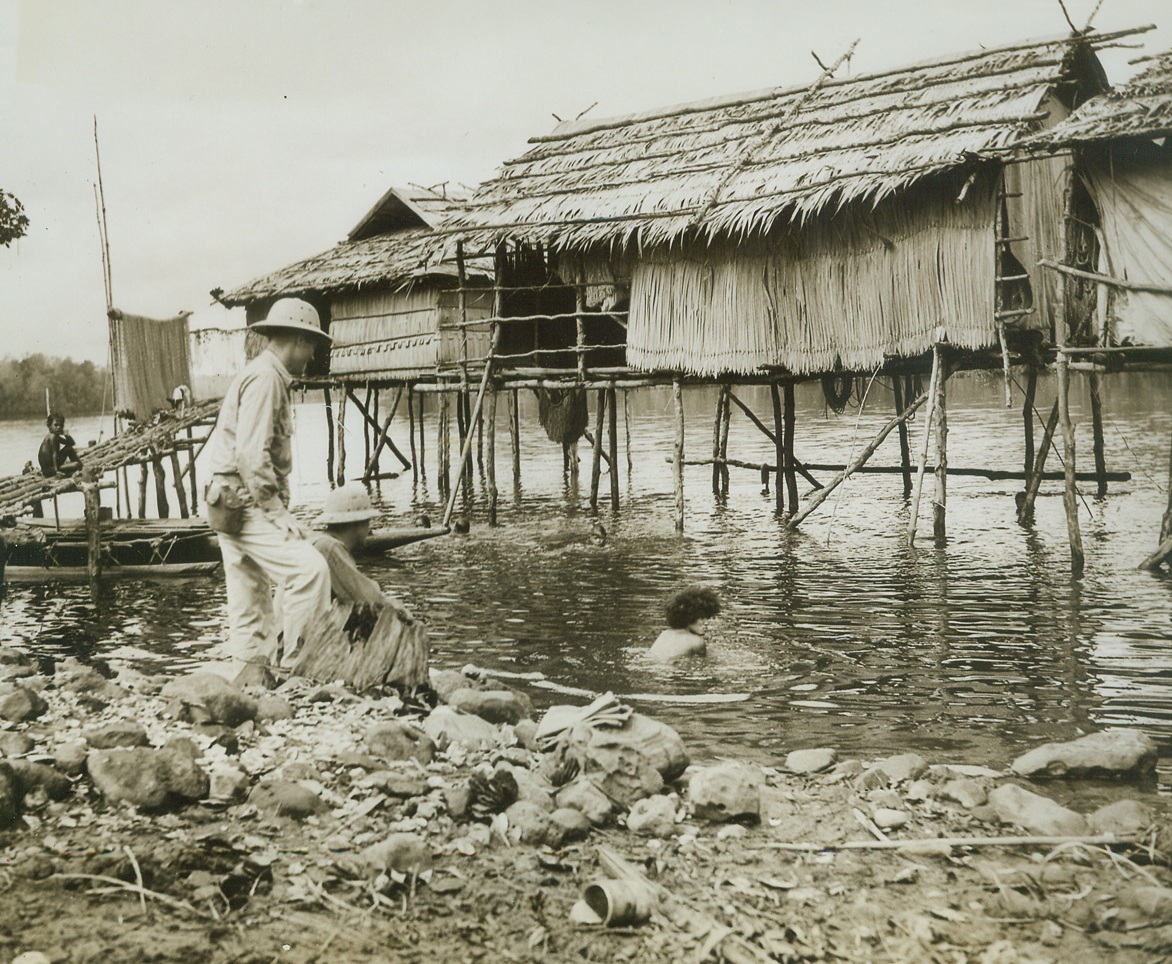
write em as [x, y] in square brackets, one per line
[688, 605]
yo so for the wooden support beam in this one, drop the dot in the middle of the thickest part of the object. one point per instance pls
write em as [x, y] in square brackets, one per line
[820, 495]
[612, 438]
[329, 434]
[1027, 418]
[191, 457]
[340, 478]
[802, 469]
[515, 440]
[905, 459]
[422, 443]
[442, 444]
[791, 479]
[1097, 435]
[410, 434]
[93, 531]
[177, 480]
[716, 466]
[382, 438]
[677, 394]
[1025, 512]
[1070, 491]
[779, 449]
[940, 502]
[596, 448]
[468, 438]
[725, 417]
[161, 502]
[142, 489]
[914, 515]
[627, 432]
[490, 455]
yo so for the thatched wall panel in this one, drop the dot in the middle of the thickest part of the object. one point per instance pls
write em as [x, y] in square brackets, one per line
[844, 291]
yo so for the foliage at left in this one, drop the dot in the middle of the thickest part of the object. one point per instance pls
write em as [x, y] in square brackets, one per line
[75, 388]
[13, 223]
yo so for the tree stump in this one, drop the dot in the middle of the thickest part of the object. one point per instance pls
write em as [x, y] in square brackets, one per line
[364, 645]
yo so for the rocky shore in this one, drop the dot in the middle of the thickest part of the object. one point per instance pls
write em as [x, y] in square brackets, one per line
[197, 818]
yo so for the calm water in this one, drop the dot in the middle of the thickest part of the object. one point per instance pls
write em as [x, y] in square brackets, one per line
[839, 633]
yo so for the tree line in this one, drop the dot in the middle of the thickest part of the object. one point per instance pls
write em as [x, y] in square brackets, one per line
[75, 388]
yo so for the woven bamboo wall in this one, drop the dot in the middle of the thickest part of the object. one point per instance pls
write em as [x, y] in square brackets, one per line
[845, 290]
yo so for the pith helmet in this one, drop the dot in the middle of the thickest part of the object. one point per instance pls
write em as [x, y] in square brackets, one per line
[347, 503]
[292, 314]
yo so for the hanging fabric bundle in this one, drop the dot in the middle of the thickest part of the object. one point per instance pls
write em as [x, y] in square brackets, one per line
[563, 413]
[837, 389]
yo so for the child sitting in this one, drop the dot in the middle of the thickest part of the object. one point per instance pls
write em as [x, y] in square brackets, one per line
[688, 613]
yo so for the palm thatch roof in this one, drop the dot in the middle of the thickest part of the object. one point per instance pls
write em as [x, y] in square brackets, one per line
[736, 166]
[405, 248]
[1140, 108]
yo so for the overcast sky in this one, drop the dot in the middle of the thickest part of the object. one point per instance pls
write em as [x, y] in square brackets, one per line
[238, 136]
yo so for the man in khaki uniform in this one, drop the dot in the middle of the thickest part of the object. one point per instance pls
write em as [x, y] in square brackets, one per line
[250, 456]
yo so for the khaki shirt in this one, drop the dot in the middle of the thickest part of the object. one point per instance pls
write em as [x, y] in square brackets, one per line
[348, 583]
[253, 436]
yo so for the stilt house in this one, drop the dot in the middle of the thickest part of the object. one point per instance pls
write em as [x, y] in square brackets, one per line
[792, 231]
[385, 294]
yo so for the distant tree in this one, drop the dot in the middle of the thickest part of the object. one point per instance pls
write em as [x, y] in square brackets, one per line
[75, 388]
[13, 223]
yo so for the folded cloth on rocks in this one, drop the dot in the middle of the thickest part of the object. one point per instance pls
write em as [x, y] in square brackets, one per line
[604, 711]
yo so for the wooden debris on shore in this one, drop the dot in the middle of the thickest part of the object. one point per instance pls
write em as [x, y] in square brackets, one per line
[365, 645]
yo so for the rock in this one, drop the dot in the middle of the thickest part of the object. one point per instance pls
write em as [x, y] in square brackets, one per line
[364, 761]
[496, 706]
[529, 824]
[531, 787]
[446, 681]
[401, 785]
[811, 761]
[220, 735]
[570, 824]
[903, 767]
[656, 741]
[884, 797]
[31, 957]
[16, 744]
[1110, 753]
[730, 791]
[457, 799]
[966, 791]
[732, 831]
[10, 656]
[943, 772]
[919, 790]
[206, 697]
[19, 703]
[272, 707]
[37, 776]
[526, 733]
[75, 677]
[284, 798]
[446, 725]
[1151, 901]
[255, 674]
[588, 800]
[1124, 818]
[147, 778]
[69, 758]
[403, 853]
[227, 784]
[10, 797]
[887, 819]
[1037, 814]
[653, 817]
[121, 733]
[623, 773]
[398, 741]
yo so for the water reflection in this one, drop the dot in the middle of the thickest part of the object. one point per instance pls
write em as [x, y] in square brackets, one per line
[840, 633]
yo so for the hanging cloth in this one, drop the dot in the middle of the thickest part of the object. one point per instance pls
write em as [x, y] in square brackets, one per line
[562, 413]
[151, 358]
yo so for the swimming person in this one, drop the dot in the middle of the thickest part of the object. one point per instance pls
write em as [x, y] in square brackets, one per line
[688, 613]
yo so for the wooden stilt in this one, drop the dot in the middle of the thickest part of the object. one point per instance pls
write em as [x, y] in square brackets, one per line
[480, 441]
[190, 472]
[791, 479]
[1166, 523]
[779, 449]
[515, 440]
[382, 438]
[596, 456]
[914, 516]
[821, 494]
[443, 479]
[142, 489]
[422, 446]
[1027, 418]
[470, 420]
[1164, 551]
[612, 438]
[1097, 436]
[940, 502]
[627, 432]
[1025, 512]
[373, 423]
[461, 437]
[366, 428]
[161, 502]
[677, 394]
[341, 477]
[177, 481]
[773, 437]
[1070, 492]
[329, 435]
[93, 532]
[716, 441]
[725, 418]
[565, 458]
[410, 433]
[905, 459]
[490, 454]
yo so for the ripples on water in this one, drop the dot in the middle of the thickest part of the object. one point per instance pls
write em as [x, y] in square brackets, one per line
[839, 633]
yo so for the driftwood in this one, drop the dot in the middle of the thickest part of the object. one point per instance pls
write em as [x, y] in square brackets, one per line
[363, 646]
[945, 843]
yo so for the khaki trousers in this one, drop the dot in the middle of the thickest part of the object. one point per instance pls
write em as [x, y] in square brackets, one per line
[257, 559]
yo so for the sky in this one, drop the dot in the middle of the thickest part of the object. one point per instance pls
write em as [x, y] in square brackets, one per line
[238, 136]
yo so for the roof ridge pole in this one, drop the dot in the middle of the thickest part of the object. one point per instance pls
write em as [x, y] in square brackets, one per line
[766, 139]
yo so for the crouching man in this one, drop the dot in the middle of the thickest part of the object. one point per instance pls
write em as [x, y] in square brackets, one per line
[250, 454]
[346, 517]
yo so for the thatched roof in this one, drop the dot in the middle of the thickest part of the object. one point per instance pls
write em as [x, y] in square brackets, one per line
[414, 207]
[735, 166]
[1140, 108]
[395, 257]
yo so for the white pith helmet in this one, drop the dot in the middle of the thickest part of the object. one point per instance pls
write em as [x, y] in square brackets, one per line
[347, 503]
[292, 314]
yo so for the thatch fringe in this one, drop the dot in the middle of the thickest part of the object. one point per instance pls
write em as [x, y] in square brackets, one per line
[840, 292]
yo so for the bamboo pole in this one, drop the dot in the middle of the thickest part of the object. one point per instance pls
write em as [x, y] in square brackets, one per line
[612, 437]
[422, 445]
[627, 433]
[716, 441]
[791, 479]
[490, 455]
[1166, 522]
[1097, 435]
[1025, 511]
[779, 449]
[177, 479]
[677, 394]
[723, 454]
[341, 464]
[462, 434]
[820, 495]
[410, 434]
[905, 460]
[947, 843]
[515, 440]
[940, 502]
[329, 434]
[1062, 366]
[470, 420]
[374, 419]
[913, 518]
[366, 429]
[1027, 418]
[442, 447]
[93, 532]
[596, 448]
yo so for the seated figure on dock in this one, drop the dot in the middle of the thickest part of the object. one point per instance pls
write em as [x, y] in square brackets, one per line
[688, 613]
[57, 455]
[346, 517]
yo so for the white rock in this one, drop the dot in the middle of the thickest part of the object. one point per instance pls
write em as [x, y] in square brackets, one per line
[654, 816]
[887, 819]
[1035, 813]
[1115, 752]
[811, 761]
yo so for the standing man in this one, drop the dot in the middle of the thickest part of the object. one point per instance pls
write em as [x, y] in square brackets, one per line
[251, 456]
